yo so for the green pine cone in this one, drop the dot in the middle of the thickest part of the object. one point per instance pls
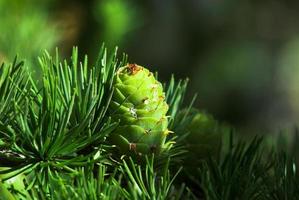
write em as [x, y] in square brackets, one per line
[138, 103]
[205, 135]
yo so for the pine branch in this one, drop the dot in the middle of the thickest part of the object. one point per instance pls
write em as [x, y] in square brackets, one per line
[128, 181]
[53, 143]
[175, 92]
[13, 85]
[59, 130]
[175, 147]
[62, 117]
[146, 183]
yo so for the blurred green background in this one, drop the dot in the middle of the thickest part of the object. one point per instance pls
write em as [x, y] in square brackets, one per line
[242, 56]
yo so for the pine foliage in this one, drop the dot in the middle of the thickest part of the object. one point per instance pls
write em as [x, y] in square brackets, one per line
[53, 139]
